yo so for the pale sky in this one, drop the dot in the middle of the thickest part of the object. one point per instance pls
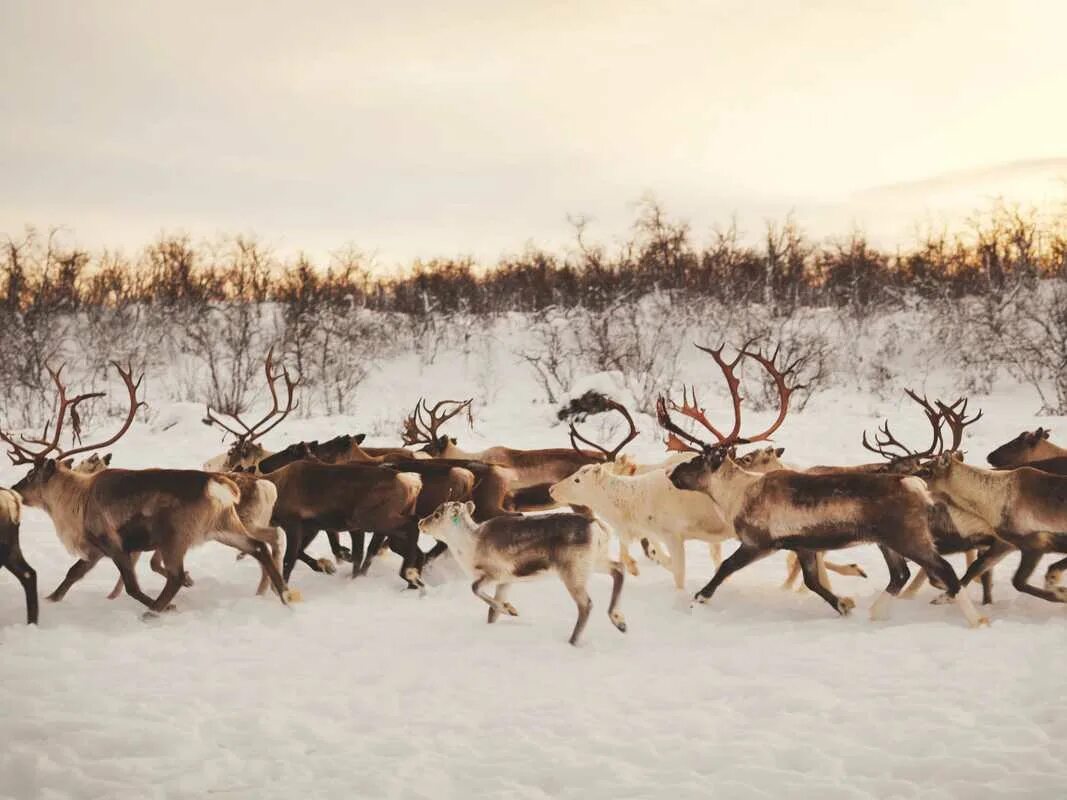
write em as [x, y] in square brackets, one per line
[414, 129]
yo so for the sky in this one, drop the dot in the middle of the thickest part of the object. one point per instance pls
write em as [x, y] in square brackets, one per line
[420, 129]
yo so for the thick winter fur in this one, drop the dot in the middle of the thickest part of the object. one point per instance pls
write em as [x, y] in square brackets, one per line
[117, 512]
[11, 554]
[514, 548]
[1026, 508]
[808, 513]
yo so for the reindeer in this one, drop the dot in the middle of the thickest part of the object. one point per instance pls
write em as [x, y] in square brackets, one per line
[254, 509]
[1025, 449]
[11, 553]
[520, 548]
[116, 512]
[1026, 508]
[788, 510]
[532, 468]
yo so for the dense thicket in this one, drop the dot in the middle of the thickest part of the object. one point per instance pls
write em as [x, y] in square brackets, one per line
[994, 293]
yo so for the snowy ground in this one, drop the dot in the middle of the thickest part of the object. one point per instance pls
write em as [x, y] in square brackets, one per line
[365, 690]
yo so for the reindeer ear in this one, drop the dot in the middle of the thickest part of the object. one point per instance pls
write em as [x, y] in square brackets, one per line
[106, 459]
[68, 462]
[469, 505]
[1044, 432]
[359, 437]
[779, 451]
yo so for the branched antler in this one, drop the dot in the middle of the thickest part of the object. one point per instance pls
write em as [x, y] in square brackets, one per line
[955, 417]
[20, 454]
[246, 433]
[605, 404]
[422, 425]
[884, 438]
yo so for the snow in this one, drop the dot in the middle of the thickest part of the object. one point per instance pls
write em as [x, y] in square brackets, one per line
[367, 690]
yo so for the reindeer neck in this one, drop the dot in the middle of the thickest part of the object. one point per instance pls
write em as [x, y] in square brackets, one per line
[460, 540]
[973, 489]
[729, 486]
[64, 499]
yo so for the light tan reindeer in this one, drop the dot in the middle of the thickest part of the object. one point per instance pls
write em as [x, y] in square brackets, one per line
[11, 553]
[116, 512]
[788, 510]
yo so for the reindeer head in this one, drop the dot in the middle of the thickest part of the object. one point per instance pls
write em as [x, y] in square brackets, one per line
[939, 455]
[1026, 447]
[447, 519]
[695, 474]
[577, 486]
[91, 465]
[50, 458]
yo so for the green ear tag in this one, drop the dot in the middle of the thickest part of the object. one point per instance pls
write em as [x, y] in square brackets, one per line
[455, 518]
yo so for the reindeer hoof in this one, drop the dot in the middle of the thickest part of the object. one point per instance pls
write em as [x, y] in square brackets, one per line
[845, 606]
[1052, 580]
[857, 571]
[343, 554]
[619, 621]
[632, 569]
[292, 596]
[1061, 593]
[511, 609]
[327, 565]
[54, 598]
[187, 579]
[700, 599]
[983, 622]
[943, 599]
[149, 616]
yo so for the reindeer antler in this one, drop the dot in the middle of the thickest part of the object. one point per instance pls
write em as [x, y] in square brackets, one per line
[884, 438]
[20, 454]
[955, 417]
[422, 425]
[610, 455]
[276, 414]
[694, 412]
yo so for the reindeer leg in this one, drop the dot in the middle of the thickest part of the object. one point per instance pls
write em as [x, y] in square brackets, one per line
[411, 568]
[358, 551]
[501, 608]
[129, 577]
[294, 544]
[845, 569]
[915, 585]
[157, 567]
[500, 598]
[339, 553]
[1054, 573]
[809, 565]
[1027, 564]
[377, 540]
[898, 578]
[77, 571]
[985, 562]
[316, 564]
[715, 550]
[793, 563]
[575, 584]
[26, 576]
[740, 558]
[677, 548]
[940, 570]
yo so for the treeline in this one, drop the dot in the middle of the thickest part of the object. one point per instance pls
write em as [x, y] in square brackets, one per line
[785, 269]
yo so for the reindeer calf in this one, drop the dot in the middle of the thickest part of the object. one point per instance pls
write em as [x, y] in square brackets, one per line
[518, 548]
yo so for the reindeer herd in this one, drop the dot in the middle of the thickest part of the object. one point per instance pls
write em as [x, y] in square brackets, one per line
[486, 507]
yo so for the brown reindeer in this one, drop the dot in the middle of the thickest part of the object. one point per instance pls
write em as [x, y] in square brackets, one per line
[788, 510]
[11, 554]
[254, 509]
[117, 512]
[532, 468]
[1026, 508]
[1025, 449]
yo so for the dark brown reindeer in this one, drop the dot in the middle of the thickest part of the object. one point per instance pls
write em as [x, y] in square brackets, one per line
[788, 510]
[11, 554]
[1026, 508]
[117, 512]
[1025, 449]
